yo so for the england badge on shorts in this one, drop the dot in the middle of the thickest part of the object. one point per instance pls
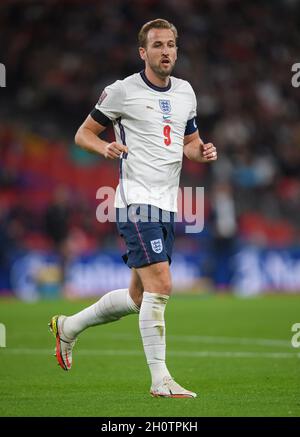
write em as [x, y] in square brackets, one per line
[156, 245]
[165, 106]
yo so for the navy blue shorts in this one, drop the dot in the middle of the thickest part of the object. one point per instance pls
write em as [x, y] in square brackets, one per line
[148, 232]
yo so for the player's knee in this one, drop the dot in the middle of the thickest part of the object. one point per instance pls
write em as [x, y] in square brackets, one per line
[163, 281]
[166, 287]
[162, 285]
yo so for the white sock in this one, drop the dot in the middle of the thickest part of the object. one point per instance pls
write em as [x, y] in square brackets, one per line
[111, 307]
[152, 328]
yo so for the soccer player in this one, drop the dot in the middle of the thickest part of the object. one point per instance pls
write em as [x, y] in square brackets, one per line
[154, 119]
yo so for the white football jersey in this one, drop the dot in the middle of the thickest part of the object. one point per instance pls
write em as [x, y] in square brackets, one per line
[151, 121]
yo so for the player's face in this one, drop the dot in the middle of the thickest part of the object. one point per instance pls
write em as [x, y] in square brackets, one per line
[160, 53]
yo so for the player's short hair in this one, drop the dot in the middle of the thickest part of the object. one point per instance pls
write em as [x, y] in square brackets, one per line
[159, 23]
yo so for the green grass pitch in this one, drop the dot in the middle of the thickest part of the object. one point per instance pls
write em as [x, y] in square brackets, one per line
[235, 353]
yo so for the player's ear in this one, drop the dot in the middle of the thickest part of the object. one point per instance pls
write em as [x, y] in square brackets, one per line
[142, 52]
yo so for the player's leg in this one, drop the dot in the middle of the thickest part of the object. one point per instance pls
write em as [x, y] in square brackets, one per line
[111, 307]
[149, 250]
[136, 288]
[156, 279]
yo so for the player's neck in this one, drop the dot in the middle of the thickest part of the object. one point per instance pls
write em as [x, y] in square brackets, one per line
[161, 82]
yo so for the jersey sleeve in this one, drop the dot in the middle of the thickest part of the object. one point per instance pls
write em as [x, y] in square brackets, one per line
[110, 104]
[191, 125]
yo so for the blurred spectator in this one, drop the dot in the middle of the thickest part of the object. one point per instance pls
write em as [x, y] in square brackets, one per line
[57, 217]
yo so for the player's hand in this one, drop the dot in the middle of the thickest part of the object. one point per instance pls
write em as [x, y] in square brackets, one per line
[208, 152]
[114, 150]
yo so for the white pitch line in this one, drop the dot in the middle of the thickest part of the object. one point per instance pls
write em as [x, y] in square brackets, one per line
[233, 340]
[191, 354]
[269, 342]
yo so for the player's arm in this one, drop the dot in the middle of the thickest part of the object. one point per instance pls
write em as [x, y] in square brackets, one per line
[87, 138]
[195, 150]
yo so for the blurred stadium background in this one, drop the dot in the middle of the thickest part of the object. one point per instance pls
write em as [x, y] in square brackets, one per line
[59, 55]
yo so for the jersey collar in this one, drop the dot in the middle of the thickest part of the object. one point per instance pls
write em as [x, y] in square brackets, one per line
[154, 87]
